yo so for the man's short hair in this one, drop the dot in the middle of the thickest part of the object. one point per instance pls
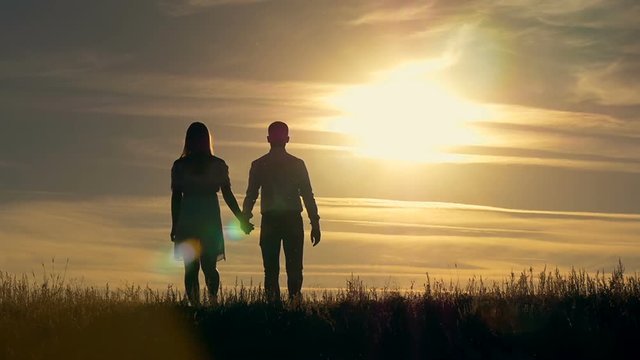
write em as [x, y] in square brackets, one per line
[278, 131]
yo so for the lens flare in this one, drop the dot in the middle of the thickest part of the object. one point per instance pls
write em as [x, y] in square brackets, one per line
[164, 261]
[232, 231]
[188, 249]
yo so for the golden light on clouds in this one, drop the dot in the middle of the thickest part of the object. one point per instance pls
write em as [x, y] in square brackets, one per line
[124, 240]
[405, 114]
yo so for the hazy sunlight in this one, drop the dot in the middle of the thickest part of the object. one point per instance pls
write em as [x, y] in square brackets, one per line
[406, 115]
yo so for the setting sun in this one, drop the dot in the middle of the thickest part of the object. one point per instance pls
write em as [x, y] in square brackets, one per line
[406, 115]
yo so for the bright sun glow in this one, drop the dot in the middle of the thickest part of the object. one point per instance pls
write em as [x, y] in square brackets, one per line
[406, 115]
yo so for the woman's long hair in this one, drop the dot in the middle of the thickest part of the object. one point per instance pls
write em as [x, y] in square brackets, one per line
[197, 141]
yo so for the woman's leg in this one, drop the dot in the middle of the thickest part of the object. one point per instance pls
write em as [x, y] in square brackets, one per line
[191, 283]
[211, 275]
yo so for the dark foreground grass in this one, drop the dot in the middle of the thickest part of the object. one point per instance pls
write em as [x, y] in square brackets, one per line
[528, 316]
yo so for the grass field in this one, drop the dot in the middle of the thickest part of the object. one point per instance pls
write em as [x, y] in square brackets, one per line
[544, 315]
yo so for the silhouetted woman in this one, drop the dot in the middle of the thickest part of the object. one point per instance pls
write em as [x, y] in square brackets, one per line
[196, 227]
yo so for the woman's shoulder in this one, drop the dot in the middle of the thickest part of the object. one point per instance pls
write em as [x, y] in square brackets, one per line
[189, 162]
[178, 163]
[188, 159]
[218, 161]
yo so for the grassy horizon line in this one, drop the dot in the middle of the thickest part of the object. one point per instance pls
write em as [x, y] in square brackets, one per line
[528, 315]
[55, 286]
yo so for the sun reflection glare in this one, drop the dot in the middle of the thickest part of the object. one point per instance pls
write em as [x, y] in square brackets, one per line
[232, 231]
[405, 114]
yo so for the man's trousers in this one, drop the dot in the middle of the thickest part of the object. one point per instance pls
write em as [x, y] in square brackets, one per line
[285, 228]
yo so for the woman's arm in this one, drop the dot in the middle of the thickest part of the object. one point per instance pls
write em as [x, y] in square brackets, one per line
[231, 201]
[227, 194]
[176, 200]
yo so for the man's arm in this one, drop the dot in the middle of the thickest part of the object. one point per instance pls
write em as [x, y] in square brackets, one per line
[253, 189]
[310, 204]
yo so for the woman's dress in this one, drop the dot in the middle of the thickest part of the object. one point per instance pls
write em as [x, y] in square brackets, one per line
[199, 178]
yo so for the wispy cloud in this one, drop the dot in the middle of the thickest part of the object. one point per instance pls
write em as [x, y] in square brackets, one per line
[171, 95]
[125, 239]
[548, 7]
[611, 84]
[77, 62]
[515, 133]
[594, 14]
[394, 13]
[586, 45]
[559, 138]
[546, 157]
[187, 7]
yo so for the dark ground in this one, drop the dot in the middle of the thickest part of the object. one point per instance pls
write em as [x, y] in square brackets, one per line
[392, 328]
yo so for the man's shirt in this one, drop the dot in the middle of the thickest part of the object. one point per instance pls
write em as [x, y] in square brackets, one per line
[283, 179]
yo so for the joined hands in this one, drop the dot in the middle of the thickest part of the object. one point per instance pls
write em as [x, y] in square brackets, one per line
[245, 225]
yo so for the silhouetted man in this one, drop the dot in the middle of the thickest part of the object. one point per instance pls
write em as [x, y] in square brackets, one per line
[283, 179]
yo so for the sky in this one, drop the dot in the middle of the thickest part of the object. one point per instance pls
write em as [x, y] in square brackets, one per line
[458, 138]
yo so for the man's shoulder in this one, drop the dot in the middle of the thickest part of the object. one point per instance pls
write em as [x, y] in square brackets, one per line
[268, 158]
[262, 159]
[292, 159]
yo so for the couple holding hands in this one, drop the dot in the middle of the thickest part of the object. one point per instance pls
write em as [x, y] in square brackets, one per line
[280, 178]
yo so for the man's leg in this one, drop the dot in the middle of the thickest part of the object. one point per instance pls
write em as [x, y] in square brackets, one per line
[191, 283]
[293, 243]
[270, 246]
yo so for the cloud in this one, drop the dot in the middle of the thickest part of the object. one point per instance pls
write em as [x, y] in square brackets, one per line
[363, 204]
[548, 7]
[592, 14]
[597, 39]
[539, 134]
[94, 96]
[520, 134]
[103, 241]
[61, 64]
[394, 13]
[574, 59]
[538, 156]
[8, 164]
[611, 84]
[124, 239]
[149, 94]
[382, 12]
[537, 54]
[188, 7]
